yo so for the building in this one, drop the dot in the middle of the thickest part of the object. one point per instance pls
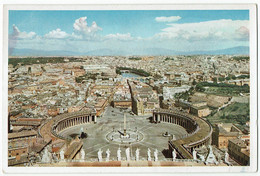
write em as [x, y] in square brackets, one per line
[144, 98]
[201, 111]
[18, 146]
[223, 133]
[100, 106]
[239, 150]
[122, 103]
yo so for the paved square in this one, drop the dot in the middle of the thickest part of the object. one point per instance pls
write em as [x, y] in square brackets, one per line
[114, 119]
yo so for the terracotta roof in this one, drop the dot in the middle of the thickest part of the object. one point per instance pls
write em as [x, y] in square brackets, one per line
[73, 149]
[22, 134]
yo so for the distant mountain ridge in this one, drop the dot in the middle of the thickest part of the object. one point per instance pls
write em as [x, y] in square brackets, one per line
[240, 50]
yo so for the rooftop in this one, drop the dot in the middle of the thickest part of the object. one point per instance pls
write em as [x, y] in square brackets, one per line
[22, 134]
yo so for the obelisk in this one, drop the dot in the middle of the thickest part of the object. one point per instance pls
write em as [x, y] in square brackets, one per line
[124, 124]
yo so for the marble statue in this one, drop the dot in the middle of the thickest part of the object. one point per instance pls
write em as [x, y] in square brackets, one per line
[194, 154]
[82, 154]
[202, 158]
[218, 157]
[100, 155]
[62, 155]
[127, 153]
[211, 157]
[54, 156]
[108, 154]
[174, 154]
[118, 154]
[226, 157]
[149, 155]
[155, 155]
[137, 152]
[46, 156]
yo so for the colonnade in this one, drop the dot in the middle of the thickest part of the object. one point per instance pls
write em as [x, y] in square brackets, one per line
[199, 144]
[189, 124]
[68, 122]
[196, 138]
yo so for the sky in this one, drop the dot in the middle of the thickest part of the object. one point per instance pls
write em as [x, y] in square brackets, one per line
[127, 31]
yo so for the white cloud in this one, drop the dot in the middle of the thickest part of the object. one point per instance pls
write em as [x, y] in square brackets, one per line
[208, 30]
[81, 28]
[209, 35]
[118, 36]
[167, 19]
[242, 33]
[56, 34]
[17, 34]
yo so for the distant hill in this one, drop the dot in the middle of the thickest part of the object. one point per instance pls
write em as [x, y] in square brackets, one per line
[240, 50]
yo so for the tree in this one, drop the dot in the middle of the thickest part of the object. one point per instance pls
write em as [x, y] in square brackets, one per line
[228, 78]
[200, 88]
[194, 82]
[221, 79]
[215, 79]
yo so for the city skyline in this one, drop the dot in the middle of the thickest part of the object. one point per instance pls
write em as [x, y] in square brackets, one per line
[117, 32]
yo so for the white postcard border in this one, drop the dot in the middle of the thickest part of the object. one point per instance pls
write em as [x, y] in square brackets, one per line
[253, 93]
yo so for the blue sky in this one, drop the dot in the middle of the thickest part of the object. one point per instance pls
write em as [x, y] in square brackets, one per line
[116, 30]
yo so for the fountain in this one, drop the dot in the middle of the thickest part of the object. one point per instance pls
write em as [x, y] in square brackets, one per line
[166, 134]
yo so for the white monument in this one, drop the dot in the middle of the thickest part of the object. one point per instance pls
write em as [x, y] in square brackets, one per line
[127, 153]
[227, 158]
[211, 157]
[100, 155]
[82, 154]
[155, 155]
[137, 152]
[218, 157]
[108, 154]
[174, 155]
[54, 156]
[194, 154]
[202, 158]
[118, 154]
[149, 155]
[62, 155]
[46, 156]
